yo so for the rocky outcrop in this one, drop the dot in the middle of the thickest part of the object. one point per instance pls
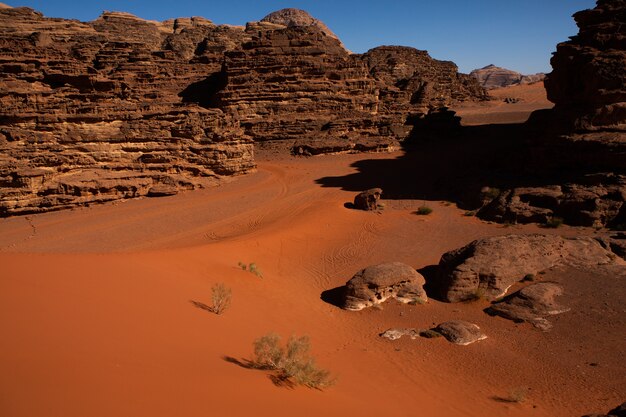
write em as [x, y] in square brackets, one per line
[295, 17]
[577, 151]
[619, 411]
[588, 80]
[488, 267]
[123, 107]
[376, 284]
[495, 77]
[531, 304]
[411, 83]
[368, 200]
[460, 332]
[91, 112]
[596, 202]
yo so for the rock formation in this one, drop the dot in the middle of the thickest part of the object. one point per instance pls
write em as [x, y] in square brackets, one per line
[619, 411]
[495, 77]
[91, 112]
[531, 304]
[488, 267]
[123, 107]
[376, 284]
[368, 200]
[578, 149]
[395, 334]
[460, 332]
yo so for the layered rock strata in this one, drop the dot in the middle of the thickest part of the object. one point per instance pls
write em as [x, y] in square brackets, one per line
[492, 76]
[123, 107]
[91, 112]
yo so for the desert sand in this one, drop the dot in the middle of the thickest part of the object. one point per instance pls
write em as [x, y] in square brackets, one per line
[530, 97]
[98, 317]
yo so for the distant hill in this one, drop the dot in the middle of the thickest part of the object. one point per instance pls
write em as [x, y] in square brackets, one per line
[494, 77]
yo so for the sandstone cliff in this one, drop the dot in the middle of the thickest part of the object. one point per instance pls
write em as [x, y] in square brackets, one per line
[123, 107]
[91, 111]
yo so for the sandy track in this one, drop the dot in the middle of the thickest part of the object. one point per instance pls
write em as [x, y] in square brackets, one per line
[95, 306]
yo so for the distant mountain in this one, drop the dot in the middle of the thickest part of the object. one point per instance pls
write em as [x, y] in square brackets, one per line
[494, 77]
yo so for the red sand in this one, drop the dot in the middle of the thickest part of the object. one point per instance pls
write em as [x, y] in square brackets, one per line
[97, 319]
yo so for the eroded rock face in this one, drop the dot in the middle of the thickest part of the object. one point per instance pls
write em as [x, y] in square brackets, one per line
[531, 304]
[588, 80]
[495, 77]
[579, 147]
[123, 107]
[91, 112]
[460, 332]
[411, 83]
[599, 202]
[488, 267]
[376, 284]
[368, 200]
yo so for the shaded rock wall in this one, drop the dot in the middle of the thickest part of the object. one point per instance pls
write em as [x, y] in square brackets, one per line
[578, 149]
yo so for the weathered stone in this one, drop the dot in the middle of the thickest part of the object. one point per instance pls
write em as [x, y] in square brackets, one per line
[178, 103]
[460, 332]
[488, 267]
[368, 200]
[531, 304]
[580, 144]
[91, 112]
[395, 334]
[495, 77]
[376, 284]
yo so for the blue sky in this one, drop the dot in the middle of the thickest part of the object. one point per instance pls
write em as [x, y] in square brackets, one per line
[518, 35]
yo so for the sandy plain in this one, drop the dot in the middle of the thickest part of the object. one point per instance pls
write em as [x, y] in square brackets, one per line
[99, 316]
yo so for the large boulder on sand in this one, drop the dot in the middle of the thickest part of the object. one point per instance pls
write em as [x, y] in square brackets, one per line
[488, 267]
[460, 332]
[531, 304]
[368, 200]
[375, 284]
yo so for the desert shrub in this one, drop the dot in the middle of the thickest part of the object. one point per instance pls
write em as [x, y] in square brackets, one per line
[477, 295]
[553, 222]
[470, 213]
[528, 278]
[424, 211]
[517, 395]
[292, 361]
[221, 296]
[252, 268]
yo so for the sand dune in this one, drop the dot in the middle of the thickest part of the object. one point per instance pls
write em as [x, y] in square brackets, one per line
[97, 313]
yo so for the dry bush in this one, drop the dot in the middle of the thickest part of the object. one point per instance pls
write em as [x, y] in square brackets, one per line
[291, 362]
[424, 211]
[221, 296]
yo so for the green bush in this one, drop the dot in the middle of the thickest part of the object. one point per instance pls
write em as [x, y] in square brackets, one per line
[424, 211]
[292, 362]
[252, 268]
